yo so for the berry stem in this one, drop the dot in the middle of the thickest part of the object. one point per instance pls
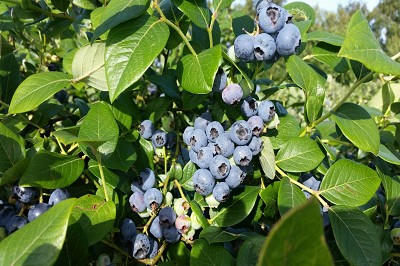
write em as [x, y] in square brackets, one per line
[178, 185]
[103, 179]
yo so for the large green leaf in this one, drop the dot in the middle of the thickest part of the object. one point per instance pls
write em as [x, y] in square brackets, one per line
[188, 171]
[36, 89]
[302, 10]
[358, 126]
[52, 170]
[361, 45]
[327, 54]
[119, 11]
[86, 4]
[327, 37]
[215, 234]
[299, 155]
[270, 197]
[12, 148]
[210, 254]
[89, 63]
[392, 192]
[387, 155]
[238, 207]
[356, 236]
[13, 174]
[130, 49]
[10, 76]
[196, 73]
[40, 241]
[289, 196]
[221, 4]
[267, 158]
[250, 250]
[349, 183]
[196, 10]
[297, 239]
[95, 216]
[288, 128]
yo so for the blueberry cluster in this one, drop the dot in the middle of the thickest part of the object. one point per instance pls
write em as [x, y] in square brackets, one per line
[159, 138]
[25, 207]
[276, 35]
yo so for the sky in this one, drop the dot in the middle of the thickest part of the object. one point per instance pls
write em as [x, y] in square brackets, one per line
[331, 5]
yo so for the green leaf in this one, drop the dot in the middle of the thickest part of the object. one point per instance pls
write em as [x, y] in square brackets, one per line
[112, 179]
[119, 11]
[188, 172]
[67, 135]
[387, 155]
[13, 174]
[88, 62]
[358, 126]
[95, 216]
[355, 235]
[10, 76]
[237, 207]
[249, 82]
[297, 239]
[215, 234]
[179, 253]
[36, 89]
[327, 37]
[218, 5]
[267, 158]
[157, 108]
[61, 5]
[349, 183]
[270, 197]
[240, 21]
[12, 148]
[131, 48]
[196, 73]
[86, 4]
[167, 83]
[289, 196]
[392, 192]
[210, 254]
[288, 128]
[40, 241]
[327, 54]
[52, 170]
[196, 10]
[361, 45]
[124, 110]
[299, 154]
[302, 10]
[250, 250]
[382, 99]
[199, 213]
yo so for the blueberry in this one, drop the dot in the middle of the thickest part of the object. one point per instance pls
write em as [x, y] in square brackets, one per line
[288, 40]
[198, 139]
[127, 231]
[27, 195]
[186, 135]
[256, 145]
[264, 47]
[204, 156]
[272, 18]
[266, 110]
[219, 167]
[193, 156]
[6, 212]
[152, 89]
[155, 228]
[146, 129]
[37, 210]
[256, 125]
[171, 140]
[309, 181]
[58, 195]
[240, 132]
[136, 201]
[202, 121]
[153, 248]
[221, 192]
[147, 179]
[153, 198]
[224, 145]
[232, 94]
[14, 223]
[235, 177]
[220, 80]
[203, 181]
[140, 246]
[171, 234]
[214, 148]
[213, 130]
[242, 155]
[159, 138]
[249, 106]
[182, 224]
[167, 216]
[244, 47]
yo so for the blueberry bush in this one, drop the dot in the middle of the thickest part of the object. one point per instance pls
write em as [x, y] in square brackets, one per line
[150, 132]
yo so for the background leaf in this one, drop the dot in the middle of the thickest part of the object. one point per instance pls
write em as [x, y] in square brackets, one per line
[196, 10]
[12, 148]
[209, 254]
[9, 76]
[327, 37]
[289, 196]
[215, 234]
[392, 192]
[250, 250]
[267, 158]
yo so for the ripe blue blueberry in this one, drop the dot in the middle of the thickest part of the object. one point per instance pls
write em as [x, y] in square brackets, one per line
[14, 223]
[147, 179]
[242, 155]
[213, 147]
[146, 129]
[235, 177]
[167, 217]
[272, 18]
[264, 47]
[153, 248]
[37, 210]
[240, 132]
[221, 192]
[159, 138]
[203, 182]
[58, 195]
[224, 145]
[6, 212]
[220, 80]
[220, 167]
[140, 246]
[244, 47]
[214, 129]
[288, 40]
[256, 145]
[27, 195]
[171, 234]
[204, 156]
[193, 156]
[136, 201]
[127, 231]
[256, 125]
[309, 181]
[266, 110]
[249, 106]
[171, 140]
[202, 121]
[232, 94]
[186, 135]
[153, 198]
[198, 139]
[155, 228]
